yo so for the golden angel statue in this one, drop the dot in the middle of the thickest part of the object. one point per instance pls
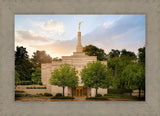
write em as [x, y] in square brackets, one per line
[79, 25]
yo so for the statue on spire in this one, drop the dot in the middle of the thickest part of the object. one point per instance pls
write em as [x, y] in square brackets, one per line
[79, 25]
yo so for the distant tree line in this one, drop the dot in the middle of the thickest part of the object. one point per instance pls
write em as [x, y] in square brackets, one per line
[29, 69]
[124, 70]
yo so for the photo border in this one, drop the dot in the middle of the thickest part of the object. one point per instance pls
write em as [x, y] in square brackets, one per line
[8, 105]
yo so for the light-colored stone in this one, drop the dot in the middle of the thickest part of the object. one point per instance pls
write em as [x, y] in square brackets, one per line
[79, 59]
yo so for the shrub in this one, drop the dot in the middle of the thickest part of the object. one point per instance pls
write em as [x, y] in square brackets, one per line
[118, 91]
[62, 97]
[36, 88]
[99, 95]
[40, 83]
[47, 94]
[19, 95]
[24, 83]
[58, 94]
[105, 94]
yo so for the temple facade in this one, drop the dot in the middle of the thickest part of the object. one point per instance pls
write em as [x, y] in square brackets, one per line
[79, 59]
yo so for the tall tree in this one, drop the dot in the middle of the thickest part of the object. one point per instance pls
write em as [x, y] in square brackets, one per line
[95, 51]
[129, 54]
[141, 55]
[95, 75]
[40, 57]
[36, 76]
[64, 76]
[17, 80]
[23, 65]
[134, 77]
[114, 53]
[20, 53]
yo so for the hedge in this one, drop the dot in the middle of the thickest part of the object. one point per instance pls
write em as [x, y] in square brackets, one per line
[99, 95]
[36, 88]
[58, 94]
[24, 83]
[47, 94]
[62, 97]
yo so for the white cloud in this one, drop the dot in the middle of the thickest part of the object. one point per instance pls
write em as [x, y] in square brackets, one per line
[53, 27]
[29, 36]
[108, 24]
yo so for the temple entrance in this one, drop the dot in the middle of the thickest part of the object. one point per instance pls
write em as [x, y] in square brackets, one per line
[79, 91]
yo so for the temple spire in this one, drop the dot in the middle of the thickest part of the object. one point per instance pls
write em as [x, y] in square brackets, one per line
[79, 47]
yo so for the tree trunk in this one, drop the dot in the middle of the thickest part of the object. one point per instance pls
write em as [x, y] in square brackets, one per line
[72, 91]
[96, 91]
[130, 92]
[63, 90]
[144, 93]
[139, 92]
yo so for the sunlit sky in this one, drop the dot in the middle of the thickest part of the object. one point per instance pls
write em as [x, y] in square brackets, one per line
[57, 34]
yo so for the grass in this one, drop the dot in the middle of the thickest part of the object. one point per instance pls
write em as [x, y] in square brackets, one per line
[97, 98]
[28, 95]
[62, 97]
[31, 95]
[121, 96]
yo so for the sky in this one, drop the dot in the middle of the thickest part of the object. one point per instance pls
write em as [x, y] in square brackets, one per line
[57, 34]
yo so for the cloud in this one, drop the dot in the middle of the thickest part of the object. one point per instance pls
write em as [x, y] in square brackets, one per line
[127, 32]
[59, 47]
[53, 27]
[29, 36]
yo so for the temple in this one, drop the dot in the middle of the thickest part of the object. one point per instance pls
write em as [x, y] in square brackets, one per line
[79, 59]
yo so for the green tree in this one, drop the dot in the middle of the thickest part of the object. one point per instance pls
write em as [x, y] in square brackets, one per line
[17, 80]
[91, 50]
[114, 53]
[40, 57]
[64, 76]
[57, 59]
[140, 81]
[23, 65]
[36, 76]
[141, 55]
[134, 77]
[141, 60]
[118, 63]
[129, 54]
[95, 75]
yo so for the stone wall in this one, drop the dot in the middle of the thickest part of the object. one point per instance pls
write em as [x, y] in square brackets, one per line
[32, 91]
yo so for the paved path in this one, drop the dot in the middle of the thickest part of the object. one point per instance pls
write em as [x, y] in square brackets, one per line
[62, 100]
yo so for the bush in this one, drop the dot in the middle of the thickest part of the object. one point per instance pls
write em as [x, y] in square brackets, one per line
[47, 94]
[62, 97]
[19, 95]
[105, 94]
[99, 95]
[29, 88]
[24, 83]
[118, 91]
[36, 88]
[40, 83]
[58, 94]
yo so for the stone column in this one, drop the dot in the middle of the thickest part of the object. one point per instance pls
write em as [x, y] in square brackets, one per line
[79, 47]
